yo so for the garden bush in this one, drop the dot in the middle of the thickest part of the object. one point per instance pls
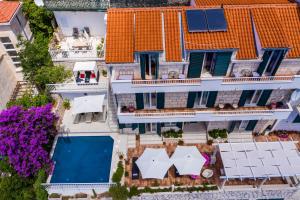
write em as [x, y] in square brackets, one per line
[40, 192]
[117, 176]
[215, 133]
[29, 100]
[118, 192]
[133, 191]
[172, 134]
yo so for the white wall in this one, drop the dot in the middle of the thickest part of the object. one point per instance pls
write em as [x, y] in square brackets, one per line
[80, 19]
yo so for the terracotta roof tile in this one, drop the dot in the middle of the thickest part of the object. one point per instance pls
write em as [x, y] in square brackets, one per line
[269, 29]
[238, 2]
[7, 10]
[290, 20]
[241, 24]
[148, 30]
[119, 39]
[210, 40]
[172, 36]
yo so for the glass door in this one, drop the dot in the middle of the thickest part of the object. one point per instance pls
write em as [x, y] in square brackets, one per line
[201, 99]
[150, 100]
[243, 125]
[151, 127]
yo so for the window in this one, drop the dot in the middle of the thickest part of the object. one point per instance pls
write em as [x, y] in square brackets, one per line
[209, 62]
[150, 100]
[272, 62]
[151, 62]
[244, 125]
[5, 40]
[151, 127]
[201, 99]
[256, 96]
[127, 126]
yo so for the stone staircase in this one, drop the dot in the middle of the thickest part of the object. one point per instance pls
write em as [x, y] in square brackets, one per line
[112, 118]
[150, 139]
[240, 137]
[21, 88]
[191, 138]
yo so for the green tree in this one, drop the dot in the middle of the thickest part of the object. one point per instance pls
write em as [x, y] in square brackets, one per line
[39, 17]
[118, 192]
[28, 100]
[50, 75]
[40, 192]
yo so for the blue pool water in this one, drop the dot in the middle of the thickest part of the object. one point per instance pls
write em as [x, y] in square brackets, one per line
[82, 159]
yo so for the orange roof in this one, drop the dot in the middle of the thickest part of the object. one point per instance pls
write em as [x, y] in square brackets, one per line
[289, 18]
[210, 40]
[241, 24]
[269, 29]
[238, 2]
[119, 38]
[148, 30]
[172, 36]
[7, 10]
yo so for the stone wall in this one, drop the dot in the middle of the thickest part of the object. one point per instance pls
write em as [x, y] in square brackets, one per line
[218, 125]
[176, 100]
[165, 69]
[280, 95]
[228, 97]
[288, 67]
[262, 125]
[126, 99]
[238, 67]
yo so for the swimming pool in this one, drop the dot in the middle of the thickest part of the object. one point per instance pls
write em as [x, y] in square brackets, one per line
[82, 159]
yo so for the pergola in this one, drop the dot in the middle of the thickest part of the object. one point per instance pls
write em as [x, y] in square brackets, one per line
[259, 160]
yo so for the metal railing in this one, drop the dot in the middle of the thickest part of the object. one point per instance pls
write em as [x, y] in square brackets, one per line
[258, 79]
[61, 54]
[76, 86]
[76, 4]
[166, 82]
[66, 186]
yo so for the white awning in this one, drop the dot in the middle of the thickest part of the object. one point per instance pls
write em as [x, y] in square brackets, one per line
[260, 159]
[88, 104]
[154, 163]
[85, 66]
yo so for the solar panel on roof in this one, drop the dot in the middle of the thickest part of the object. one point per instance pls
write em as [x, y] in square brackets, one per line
[196, 21]
[216, 20]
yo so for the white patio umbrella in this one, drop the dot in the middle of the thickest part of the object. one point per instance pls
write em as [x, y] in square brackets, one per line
[154, 163]
[188, 160]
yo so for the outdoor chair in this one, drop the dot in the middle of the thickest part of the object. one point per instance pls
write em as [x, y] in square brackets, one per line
[87, 30]
[76, 119]
[135, 170]
[75, 32]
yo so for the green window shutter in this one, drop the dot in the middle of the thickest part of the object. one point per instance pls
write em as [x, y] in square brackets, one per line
[191, 99]
[297, 119]
[160, 100]
[263, 64]
[211, 99]
[142, 128]
[244, 96]
[158, 129]
[157, 66]
[195, 66]
[222, 62]
[143, 64]
[179, 125]
[281, 55]
[121, 126]
[264, 97]
[139, 98]
[231, 127]
[134, 126]
[251, 125]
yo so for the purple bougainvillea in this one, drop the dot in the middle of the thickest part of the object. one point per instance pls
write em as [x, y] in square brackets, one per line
[24, 135]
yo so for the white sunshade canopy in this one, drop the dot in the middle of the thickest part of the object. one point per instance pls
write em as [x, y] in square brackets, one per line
[154, 163]
[85, 66]
[260, 159]
[88, 104]
[188, 160]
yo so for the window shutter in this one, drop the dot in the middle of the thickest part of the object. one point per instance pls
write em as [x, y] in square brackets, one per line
[263, 64]
[278, 61]
[139, 101]
[121, 126]
[134, 126]
[297, 119]
[245, 94]
[158, 129]
[222, 62]
[157, 66]
[179, 125]
[195, 66]
[264, 97]
[160, 100]
[143, 64]
[142, 128]
[231, 127]
[191, 99]
[251, 125]
[211, 99]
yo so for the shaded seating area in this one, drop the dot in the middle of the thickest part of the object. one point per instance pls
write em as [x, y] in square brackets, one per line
[89, 109]
[135, 170]
[86, 72]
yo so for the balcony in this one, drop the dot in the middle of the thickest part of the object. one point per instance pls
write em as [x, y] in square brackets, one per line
[77, 87]
[76, 4]
[131, 83]
[83, 48]
[204, 114]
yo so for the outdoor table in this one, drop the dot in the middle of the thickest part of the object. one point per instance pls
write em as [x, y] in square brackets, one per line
[207, 173]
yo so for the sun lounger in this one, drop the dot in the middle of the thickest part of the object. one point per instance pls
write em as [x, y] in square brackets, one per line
[76, 119]
[88, 118]
[135, 170]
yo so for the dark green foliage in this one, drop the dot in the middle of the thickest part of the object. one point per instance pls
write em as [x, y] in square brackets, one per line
[40, 192]
[28, 100]
[118, 192]
[117, 176]
[215, 133]
[172, 133]
[133, 191]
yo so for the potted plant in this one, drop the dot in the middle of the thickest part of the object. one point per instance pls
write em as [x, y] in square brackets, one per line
[124, 109]
[66, 104]
[104, 73]
[131, 108]
[54, 196]
[273, 105]
[81, 196]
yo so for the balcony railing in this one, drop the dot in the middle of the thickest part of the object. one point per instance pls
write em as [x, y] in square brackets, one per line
[61, 55]
[80, 87]
[258, 79]
[76, 4]
[204, 114]
[166, 82]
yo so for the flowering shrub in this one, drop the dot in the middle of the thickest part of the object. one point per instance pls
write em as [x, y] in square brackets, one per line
[24, 135]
